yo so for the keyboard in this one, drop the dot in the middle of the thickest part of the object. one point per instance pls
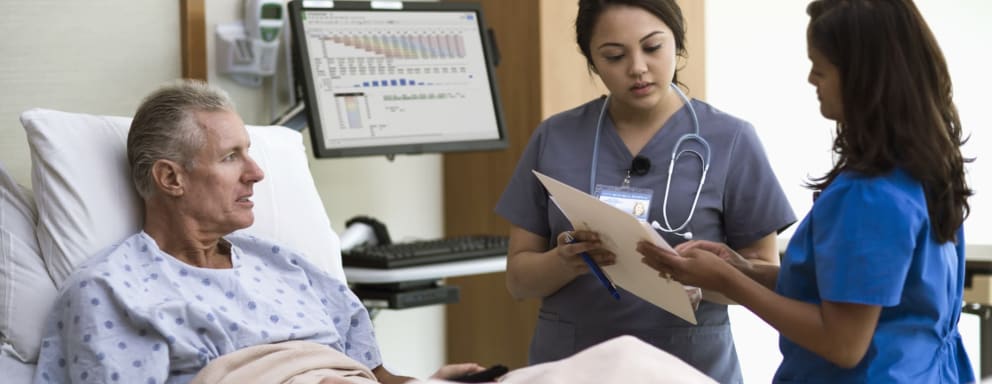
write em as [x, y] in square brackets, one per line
[422, 252]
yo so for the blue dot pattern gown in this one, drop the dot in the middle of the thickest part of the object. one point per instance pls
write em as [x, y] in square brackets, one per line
[134, 314]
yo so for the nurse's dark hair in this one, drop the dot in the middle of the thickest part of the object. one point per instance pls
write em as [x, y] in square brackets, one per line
[164, 128]
[666, 10]
[897, 101]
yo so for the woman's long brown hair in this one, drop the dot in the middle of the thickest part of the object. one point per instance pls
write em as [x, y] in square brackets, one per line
[897, 97]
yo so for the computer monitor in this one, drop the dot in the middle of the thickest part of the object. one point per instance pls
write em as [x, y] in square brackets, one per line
[388, 77]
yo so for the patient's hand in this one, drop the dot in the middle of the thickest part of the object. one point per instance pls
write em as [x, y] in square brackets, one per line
[455, 370]
[335, 380]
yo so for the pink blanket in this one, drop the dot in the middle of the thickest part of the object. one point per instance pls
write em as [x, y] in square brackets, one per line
[292, 362]
[624, 359]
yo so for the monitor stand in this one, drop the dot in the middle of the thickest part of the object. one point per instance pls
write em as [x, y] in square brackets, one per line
[294, 118]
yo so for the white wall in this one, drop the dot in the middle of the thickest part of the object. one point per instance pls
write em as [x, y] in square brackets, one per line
[99, 56]
[756, 69]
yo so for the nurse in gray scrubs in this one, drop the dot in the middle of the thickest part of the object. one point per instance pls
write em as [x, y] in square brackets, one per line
[619, 148]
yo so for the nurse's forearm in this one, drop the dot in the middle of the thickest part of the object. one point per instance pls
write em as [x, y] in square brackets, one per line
[763, 260]
[764, 273]
[838, 332]
[536, 274]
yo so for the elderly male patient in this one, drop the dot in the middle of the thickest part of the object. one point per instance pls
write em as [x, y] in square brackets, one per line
[163, 303]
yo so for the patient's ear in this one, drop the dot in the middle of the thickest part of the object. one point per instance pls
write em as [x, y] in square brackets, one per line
[169, 177]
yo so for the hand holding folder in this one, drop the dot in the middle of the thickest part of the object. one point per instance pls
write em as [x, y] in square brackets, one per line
[596, 270]
[620, 232]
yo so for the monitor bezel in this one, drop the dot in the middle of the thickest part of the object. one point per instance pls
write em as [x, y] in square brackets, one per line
[296, 9]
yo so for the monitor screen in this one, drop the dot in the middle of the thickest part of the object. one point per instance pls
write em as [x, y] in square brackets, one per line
[413, 78]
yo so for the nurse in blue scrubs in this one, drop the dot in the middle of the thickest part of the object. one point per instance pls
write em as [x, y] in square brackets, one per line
[871, 283]
[619, 148]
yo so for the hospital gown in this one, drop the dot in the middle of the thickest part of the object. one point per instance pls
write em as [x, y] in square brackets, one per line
[137, 315]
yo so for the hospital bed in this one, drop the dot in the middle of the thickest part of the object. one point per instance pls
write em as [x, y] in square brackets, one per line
[82, 200]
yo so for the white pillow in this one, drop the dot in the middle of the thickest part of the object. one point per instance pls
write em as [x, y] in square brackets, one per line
[26, 291]
[287, 205]
[86, 200]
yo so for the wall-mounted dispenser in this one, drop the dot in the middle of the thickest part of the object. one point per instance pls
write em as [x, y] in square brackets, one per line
[248, 50]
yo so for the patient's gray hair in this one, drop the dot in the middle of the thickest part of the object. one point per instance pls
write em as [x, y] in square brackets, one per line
[164, 128]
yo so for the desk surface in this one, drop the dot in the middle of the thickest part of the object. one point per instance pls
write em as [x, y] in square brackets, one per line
[425, 272]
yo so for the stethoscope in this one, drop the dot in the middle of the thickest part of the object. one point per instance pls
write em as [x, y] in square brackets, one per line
[676, 154]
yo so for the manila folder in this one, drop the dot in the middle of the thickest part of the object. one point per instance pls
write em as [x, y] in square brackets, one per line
[620, 232]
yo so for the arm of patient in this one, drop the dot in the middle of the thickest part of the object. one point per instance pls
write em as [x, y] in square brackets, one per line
[386, 377]
[88, 337]
[445, 372]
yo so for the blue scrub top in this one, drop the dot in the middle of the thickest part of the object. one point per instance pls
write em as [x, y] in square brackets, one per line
[741, 202]
[868, 240]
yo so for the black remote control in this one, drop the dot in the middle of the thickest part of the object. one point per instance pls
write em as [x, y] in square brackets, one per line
[485, 376]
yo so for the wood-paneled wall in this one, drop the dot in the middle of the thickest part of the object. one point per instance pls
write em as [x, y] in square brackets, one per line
[487, 325]
[193, 35]
[541, 73]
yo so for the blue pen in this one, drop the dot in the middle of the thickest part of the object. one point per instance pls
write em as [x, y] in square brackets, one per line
[595, 269]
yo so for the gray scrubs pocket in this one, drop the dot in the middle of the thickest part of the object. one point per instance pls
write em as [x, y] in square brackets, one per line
[554, 339]
[709, 348]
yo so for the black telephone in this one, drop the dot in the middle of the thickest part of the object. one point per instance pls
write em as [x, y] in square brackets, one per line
[364, 230]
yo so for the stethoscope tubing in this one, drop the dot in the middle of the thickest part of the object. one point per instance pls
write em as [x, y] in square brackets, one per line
[676, 154]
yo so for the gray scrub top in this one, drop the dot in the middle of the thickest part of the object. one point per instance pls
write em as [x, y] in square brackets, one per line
[741, 202]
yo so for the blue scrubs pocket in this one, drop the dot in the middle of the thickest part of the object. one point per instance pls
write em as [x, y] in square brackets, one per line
[554, 339]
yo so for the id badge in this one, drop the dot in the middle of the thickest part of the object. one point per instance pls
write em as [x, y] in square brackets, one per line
[636, 201]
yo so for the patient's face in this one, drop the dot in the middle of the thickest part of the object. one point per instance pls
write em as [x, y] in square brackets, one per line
[219, 186]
